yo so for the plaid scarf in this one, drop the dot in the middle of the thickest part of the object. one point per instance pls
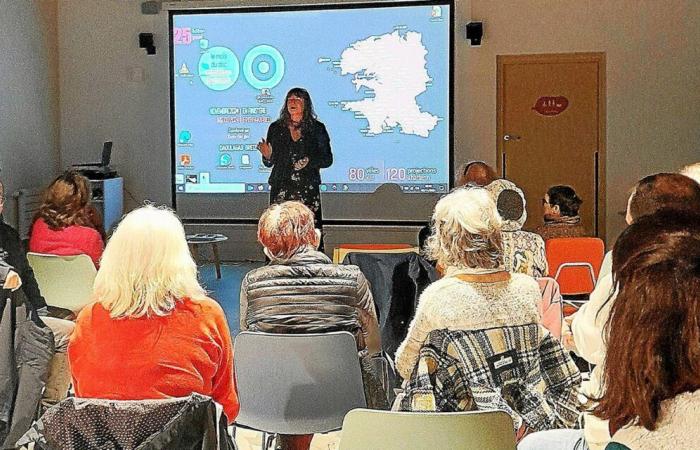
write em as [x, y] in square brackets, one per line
[522, 370]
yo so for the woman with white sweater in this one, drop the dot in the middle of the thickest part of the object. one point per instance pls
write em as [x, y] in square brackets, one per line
[491, 315]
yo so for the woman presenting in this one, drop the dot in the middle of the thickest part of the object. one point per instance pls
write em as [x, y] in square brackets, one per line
[297, 147]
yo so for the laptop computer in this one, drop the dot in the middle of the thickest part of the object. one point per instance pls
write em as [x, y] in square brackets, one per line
[106, 158]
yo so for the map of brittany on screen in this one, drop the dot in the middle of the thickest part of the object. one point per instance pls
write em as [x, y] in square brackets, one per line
[379, 79]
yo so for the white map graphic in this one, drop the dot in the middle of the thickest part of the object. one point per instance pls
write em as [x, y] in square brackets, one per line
[392, 68]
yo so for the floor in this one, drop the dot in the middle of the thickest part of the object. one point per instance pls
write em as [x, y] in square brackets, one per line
[226, 291]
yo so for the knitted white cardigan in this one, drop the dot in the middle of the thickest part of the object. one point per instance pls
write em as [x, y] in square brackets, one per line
[677, 427]
[453, 304]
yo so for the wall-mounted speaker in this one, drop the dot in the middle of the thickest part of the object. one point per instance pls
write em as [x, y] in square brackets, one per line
[146, 41]
[475, 31]
[150, 7]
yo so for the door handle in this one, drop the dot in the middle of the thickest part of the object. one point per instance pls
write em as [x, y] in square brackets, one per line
[511, 137]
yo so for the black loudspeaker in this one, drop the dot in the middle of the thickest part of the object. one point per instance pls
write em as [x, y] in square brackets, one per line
[146, 41]
[475, 31]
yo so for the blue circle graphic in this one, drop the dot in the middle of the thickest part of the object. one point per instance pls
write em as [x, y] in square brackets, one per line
[258, 59]
[219, 68]
[263, 67]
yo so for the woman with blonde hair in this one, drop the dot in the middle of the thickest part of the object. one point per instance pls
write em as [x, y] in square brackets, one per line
[152, 318]
[476, 341]
[66, 224]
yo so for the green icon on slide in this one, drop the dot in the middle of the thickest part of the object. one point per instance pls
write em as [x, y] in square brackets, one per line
[219, 68]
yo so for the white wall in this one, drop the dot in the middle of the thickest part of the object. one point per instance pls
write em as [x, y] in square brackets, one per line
[652, 78]
[29, 93]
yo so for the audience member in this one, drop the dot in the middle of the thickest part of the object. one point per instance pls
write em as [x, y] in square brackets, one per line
[64, 223]
[656, 192]
[652, 370]
[490, 315]
[692, 171]
[152, 333]
[476, 173]
[13, 254]
[561, 219]
[523, 252]
[301, 291]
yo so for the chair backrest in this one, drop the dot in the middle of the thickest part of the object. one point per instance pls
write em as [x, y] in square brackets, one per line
[475, 430]
[189, 422]
[64, 281]
[575, 263]
[297, 383]
[342, 250]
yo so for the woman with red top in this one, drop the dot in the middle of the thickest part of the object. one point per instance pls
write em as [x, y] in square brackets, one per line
[152, 333]
[65, 223]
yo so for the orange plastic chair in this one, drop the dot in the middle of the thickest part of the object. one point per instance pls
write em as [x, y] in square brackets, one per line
[575, 263]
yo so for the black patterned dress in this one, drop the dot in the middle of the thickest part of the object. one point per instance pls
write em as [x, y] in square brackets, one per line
[287, 183]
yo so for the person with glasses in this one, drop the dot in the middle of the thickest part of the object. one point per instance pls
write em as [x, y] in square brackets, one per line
[561, 217]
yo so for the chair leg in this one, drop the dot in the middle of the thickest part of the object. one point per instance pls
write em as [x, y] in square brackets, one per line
[217, 260]
[194, 250]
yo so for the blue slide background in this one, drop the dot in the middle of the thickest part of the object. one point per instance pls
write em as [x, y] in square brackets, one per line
[302, 37]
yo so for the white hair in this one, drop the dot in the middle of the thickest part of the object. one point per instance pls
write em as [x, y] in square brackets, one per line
[692, 171]
[146, 267]
[466, 230]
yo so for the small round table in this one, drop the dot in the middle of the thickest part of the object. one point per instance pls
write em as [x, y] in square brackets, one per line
[195, 240]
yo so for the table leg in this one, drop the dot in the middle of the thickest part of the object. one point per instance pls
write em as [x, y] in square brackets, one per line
[217, 260]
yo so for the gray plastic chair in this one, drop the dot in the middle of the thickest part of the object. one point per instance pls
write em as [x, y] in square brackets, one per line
[297, 383]
[365, 429]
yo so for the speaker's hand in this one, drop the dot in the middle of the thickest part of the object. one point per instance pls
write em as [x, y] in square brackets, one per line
[265, 148]
[303, 162]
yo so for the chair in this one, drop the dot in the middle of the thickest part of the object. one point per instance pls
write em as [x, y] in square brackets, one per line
[575, 263]
[474, 430]
[342, 250]
[296, 383]
[64, 281]
[194, 422]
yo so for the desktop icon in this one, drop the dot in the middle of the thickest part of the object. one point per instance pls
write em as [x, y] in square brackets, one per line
[245, 160]
[436, 12]
[185, 159]
[184, 70]
[225, 160]
[192, 179]
[185, 137]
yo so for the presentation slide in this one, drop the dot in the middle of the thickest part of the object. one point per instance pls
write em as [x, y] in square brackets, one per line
[379, 79]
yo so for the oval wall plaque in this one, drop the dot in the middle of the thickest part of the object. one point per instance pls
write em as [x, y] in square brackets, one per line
[551, 106]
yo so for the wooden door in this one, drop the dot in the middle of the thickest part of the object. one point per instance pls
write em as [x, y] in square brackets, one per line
[551, 129]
